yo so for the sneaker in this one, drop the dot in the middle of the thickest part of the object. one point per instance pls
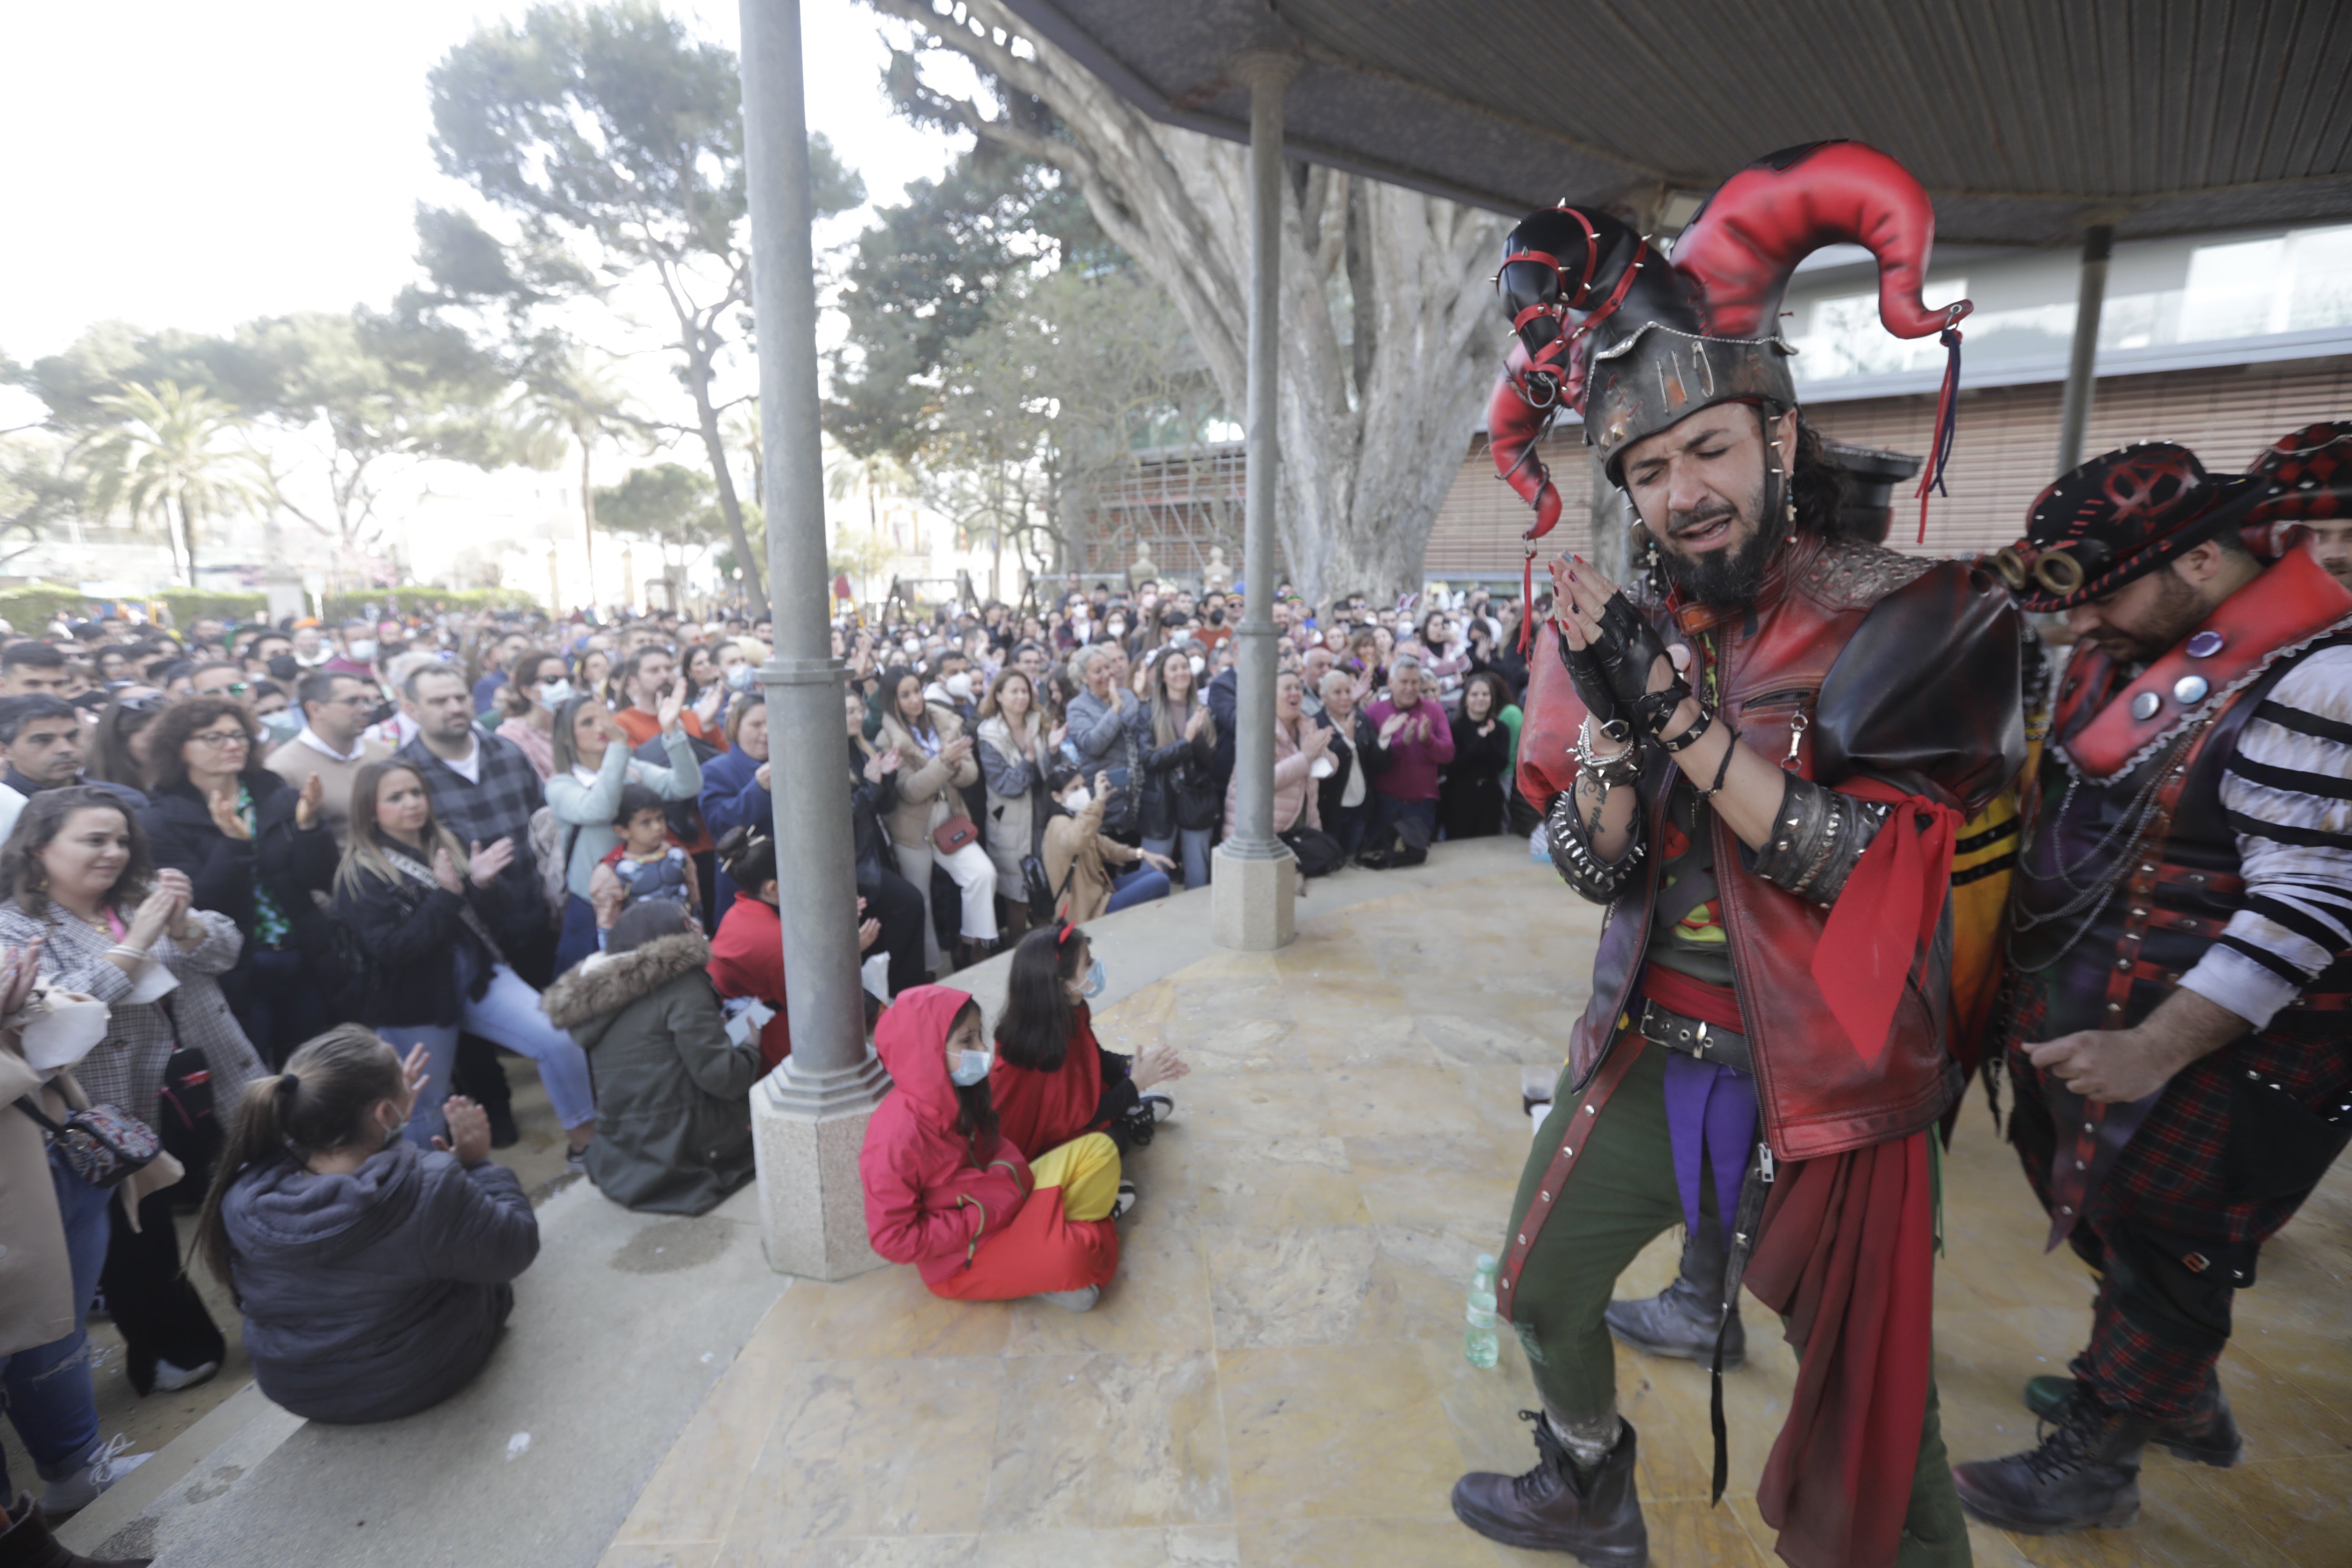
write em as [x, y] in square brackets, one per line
[107, 1465]
[1128, 1198]
[1161, 1107]
[171, 1379]
[1072, 1301]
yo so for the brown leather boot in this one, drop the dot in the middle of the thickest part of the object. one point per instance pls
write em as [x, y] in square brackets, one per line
[1594, 1515]
[26, 1542]
[2084, 1475]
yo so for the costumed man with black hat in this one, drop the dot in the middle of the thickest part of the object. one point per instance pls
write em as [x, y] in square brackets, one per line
[2180, 923]
[1759, 761]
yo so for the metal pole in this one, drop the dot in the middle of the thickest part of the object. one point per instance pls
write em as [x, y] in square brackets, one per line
[1254, 708]
[830, 1069]
[2075, 410]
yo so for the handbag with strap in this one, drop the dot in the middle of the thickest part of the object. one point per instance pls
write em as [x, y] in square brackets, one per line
[953, 834]
[104, 1145]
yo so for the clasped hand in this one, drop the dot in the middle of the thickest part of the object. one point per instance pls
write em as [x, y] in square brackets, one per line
[1616, 659]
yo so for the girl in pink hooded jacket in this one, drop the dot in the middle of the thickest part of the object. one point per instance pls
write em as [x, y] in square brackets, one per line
[945, 1193]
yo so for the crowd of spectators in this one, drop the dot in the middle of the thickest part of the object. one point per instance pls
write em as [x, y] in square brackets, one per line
[279, 897]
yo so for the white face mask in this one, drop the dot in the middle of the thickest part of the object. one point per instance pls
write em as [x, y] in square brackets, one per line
[1078, 799]
[971, 1068]
[1197, 662]
[65, 1028]
[740, 676]
[959, 686]
[554, 693]
[363, 649]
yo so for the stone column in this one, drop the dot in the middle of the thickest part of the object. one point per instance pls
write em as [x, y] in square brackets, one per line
[1256, 882]
[809, 1116]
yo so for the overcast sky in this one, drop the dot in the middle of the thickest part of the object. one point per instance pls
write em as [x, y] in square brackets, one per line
[190, 165]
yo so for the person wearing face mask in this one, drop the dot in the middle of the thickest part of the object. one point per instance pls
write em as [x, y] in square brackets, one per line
[1078, 855]
[947, 1192]
[673, 1079]
[358, 651]
[373, 1276]
[935, 768]
[1053, 1081]
[536, 687]
[1100, 740]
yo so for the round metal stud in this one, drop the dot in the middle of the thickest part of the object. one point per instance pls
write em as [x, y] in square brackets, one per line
[2191, 689]
[2145, 705]
[2205, 645]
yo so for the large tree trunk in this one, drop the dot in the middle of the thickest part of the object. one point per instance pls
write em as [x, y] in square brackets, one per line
[706, 414]
[1372, 432]
[587, 439]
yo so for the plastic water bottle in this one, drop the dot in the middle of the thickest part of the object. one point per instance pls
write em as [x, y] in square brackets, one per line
[1480, 1343]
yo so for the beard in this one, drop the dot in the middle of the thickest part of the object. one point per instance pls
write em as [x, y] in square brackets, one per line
[1720, 577]
[2173, 616]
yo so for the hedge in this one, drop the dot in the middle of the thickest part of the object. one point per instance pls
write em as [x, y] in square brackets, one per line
[31, 606]
[188, 605]
[421, 598]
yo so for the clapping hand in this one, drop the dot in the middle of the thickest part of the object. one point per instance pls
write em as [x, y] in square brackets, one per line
[1192, 725]
[1317, 741]
[484, 865]
[226, 816]
[444, 872]
[306, 804]
[1159, 1063]
[673, 702]
[416, 1068]
[468, 1137]
[868, 933]
[20, 971]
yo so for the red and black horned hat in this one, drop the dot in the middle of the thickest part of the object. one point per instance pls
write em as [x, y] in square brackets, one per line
[2119, 517]
[1635, 342]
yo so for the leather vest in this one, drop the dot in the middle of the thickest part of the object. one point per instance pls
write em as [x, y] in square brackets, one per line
[1853, 660]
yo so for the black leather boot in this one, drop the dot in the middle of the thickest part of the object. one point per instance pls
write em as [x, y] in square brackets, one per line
[1594, 1515]
[2084, 1475]
[1680, 1320]
[2208, 1435]
[26, 1542]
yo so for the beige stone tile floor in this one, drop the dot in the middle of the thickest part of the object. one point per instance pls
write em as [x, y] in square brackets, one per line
[1276, 1377]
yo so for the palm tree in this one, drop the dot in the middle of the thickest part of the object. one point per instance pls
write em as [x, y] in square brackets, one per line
[174, 456]
[579, 400]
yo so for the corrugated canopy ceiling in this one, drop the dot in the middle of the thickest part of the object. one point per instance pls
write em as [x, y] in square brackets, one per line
[2024, 119]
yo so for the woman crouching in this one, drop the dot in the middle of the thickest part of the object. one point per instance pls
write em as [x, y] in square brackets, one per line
[946, 1192]
[373, 1274]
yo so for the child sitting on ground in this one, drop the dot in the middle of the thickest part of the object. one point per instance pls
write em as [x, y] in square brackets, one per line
[946, 1192]
[648, 863]
[1053, 1081]
[373, 1274]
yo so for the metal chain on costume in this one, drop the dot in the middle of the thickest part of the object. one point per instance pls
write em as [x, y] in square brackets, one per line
[2094, 899]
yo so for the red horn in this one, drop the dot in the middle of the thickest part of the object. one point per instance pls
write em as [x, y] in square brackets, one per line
[1739, 251]
[1513, 427]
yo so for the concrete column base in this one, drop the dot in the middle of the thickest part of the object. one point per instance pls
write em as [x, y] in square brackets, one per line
[1253, 901]
[812, 1203]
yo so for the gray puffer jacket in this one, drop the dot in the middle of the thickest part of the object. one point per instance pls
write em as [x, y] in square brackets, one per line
[380, 1293]
[673, 1092]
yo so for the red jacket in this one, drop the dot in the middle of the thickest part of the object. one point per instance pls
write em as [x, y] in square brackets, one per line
[1907, 673]
[747, 959]
[928, 1201]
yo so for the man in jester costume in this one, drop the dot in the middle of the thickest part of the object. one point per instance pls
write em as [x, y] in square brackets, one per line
[1759, 759]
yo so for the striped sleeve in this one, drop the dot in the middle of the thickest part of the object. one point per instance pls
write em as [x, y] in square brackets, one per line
[2288, 794]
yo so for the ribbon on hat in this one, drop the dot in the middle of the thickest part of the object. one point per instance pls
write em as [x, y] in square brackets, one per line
[1948, 426]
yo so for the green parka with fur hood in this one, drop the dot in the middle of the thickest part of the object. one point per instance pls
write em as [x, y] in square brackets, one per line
[673, 1092]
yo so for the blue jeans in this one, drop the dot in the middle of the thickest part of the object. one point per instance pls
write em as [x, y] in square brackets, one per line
[1195, 841]
[579, 937]
[508, 1015]
[1139, 886]
[50, 1399]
